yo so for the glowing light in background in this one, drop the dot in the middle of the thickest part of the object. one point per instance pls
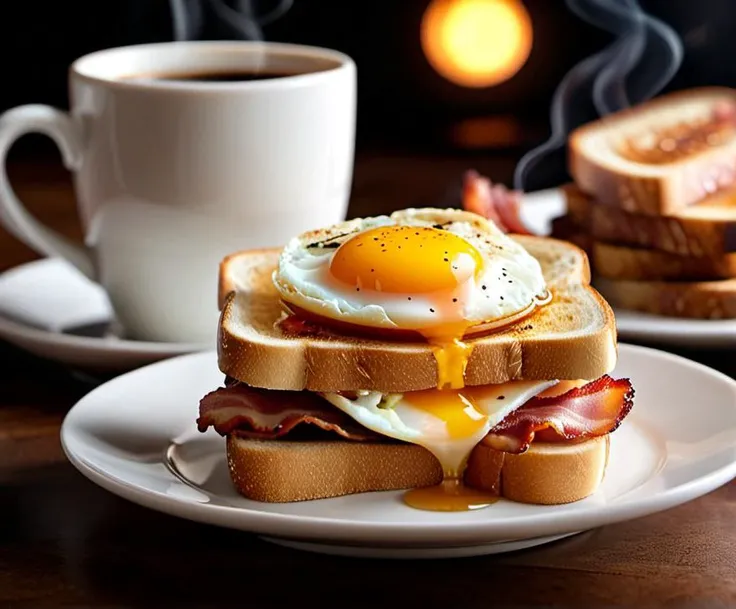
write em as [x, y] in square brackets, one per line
[476, 43]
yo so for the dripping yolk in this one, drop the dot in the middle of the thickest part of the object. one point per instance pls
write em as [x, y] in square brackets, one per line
[405, 260]
[418, 260]
[454, 408]
[464, 425]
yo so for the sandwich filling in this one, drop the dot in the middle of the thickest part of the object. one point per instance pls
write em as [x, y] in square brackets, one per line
[450, 424]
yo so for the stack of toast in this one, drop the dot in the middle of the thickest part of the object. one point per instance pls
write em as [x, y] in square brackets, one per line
[653, 203]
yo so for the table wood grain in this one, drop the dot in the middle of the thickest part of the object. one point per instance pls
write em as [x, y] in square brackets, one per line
[66, 542]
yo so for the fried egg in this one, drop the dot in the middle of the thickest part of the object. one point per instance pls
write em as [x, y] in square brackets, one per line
[447, 423]
[435, 272]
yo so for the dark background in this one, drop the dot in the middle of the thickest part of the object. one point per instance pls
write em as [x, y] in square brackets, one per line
[403, 103]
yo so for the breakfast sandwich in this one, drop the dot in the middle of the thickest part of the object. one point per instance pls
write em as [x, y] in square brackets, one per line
[428, 351]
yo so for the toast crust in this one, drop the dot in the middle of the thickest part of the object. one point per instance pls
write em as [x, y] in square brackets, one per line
[620, 262]
[282, 471]
[705, 229]
[279, 471]
[655, 189]
[552, 474]
[573, 337]
[694, 300]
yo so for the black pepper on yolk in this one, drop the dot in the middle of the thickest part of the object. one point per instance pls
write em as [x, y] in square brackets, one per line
[426, 262]
[405, 260]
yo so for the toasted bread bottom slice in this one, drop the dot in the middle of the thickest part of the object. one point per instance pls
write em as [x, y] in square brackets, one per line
[282, 471]
[553, 473]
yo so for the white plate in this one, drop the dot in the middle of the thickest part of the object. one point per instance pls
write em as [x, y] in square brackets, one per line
[136, 436]
[49, 309]
[538, 210]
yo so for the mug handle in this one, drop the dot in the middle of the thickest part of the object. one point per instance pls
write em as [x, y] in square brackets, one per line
[60, 127]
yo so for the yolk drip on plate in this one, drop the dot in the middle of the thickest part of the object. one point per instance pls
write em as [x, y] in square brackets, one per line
[463, 422]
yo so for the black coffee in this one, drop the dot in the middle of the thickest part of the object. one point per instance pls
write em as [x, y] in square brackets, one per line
[216, 76]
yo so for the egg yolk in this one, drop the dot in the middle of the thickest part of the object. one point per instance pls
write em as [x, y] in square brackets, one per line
[418, 260]
[453, 407]
[405, 260]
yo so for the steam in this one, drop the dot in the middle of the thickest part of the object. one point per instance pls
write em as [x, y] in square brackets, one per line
[635, 67]
[236, 19]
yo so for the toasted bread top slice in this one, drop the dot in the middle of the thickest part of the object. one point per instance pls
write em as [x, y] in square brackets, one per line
[572, 337]
[660, 156]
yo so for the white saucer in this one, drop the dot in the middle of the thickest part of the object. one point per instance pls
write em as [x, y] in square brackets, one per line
[136, 437]
[538, 211]
[49, 309]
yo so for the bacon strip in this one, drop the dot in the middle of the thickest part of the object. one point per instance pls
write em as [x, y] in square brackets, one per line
[297, 326]
[586, 412]
[724, 112]
[266, 413]
[495, 202]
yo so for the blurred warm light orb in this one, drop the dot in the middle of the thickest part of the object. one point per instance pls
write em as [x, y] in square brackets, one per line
[476, 43]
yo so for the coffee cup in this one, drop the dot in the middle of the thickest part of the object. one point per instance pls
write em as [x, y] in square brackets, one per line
[183, 153]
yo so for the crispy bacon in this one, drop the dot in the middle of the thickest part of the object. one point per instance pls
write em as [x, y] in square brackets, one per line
[291, 324]
[266, 413]
[586, 412]
[495, 202]
[724, 112]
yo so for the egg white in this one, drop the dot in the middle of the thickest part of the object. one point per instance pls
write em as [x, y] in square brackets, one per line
[513, 278]
[397, 418]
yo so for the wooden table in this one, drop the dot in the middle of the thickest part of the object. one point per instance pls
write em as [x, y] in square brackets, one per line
[64, 541]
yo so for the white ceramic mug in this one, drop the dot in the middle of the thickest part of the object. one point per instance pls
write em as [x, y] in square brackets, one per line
[172, 175]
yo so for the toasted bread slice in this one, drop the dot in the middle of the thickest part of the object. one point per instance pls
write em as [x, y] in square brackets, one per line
[619, 275]
[567, 228]
[555, 473]
[578, 205]
[282, 471]
[698, 300]
[660, 156]
[279, 471]
[572, 337]
[621, 262]
[705, 229]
